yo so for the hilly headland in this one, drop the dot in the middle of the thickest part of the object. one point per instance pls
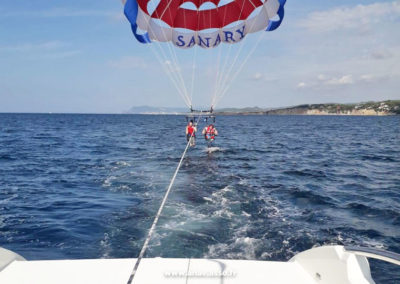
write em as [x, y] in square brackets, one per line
[388, 107]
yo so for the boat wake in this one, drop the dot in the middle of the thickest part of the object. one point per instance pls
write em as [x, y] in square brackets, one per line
[213, 149]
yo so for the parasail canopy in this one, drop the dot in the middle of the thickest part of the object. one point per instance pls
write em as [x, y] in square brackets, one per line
[206, 23]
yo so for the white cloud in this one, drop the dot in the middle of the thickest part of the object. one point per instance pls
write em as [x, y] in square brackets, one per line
[257, 76]
[373, 78]
[347, 51]
[328, 82]
[128, 62]
[43, 50]
[344, 80]
[29, 47]
[301, 85]
[266, 77]
[60, 55]
[360, 17]
[323, 81]
[62, 13]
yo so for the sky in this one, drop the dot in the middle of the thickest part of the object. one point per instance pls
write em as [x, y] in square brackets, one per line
[80, 56]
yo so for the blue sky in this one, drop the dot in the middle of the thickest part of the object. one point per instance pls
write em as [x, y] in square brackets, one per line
[80, 56]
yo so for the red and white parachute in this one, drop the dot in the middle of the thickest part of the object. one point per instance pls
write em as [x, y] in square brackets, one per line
[206, 23]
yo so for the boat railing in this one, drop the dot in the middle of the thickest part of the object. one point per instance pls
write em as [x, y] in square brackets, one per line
[375, 253]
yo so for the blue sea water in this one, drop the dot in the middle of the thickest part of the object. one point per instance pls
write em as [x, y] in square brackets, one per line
[88, 186]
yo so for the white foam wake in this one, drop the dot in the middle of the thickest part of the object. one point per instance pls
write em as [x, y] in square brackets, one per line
[213, 149]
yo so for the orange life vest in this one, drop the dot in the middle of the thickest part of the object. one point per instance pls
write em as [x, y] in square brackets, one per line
[210, 133]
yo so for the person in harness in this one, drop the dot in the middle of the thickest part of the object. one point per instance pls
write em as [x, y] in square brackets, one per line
[209, 133]
[191, 133]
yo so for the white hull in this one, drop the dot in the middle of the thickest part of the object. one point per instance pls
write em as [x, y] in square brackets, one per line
[331, 264]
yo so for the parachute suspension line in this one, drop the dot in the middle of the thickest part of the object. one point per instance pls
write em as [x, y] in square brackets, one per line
[167, 63]
[153, 226]
[219, 77]
[166, 60]
[260, 37]
[174, 58]
[225, 75]
[240, 67]
[227, 85]
[178, 68]
[193, 74]
[169, 73]
[216, 77]
[175, 69]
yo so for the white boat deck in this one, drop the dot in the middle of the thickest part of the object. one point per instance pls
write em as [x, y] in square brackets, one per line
[328, 265]
[157, 270]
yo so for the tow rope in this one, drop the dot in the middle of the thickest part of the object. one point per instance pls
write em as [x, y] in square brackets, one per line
[153, 226]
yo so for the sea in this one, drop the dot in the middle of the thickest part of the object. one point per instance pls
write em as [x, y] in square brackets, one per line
[75, 186]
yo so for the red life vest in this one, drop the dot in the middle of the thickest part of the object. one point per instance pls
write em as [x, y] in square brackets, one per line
[210, 133]
[190, 130]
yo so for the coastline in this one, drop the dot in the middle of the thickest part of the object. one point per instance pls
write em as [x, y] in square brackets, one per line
[381, 108]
